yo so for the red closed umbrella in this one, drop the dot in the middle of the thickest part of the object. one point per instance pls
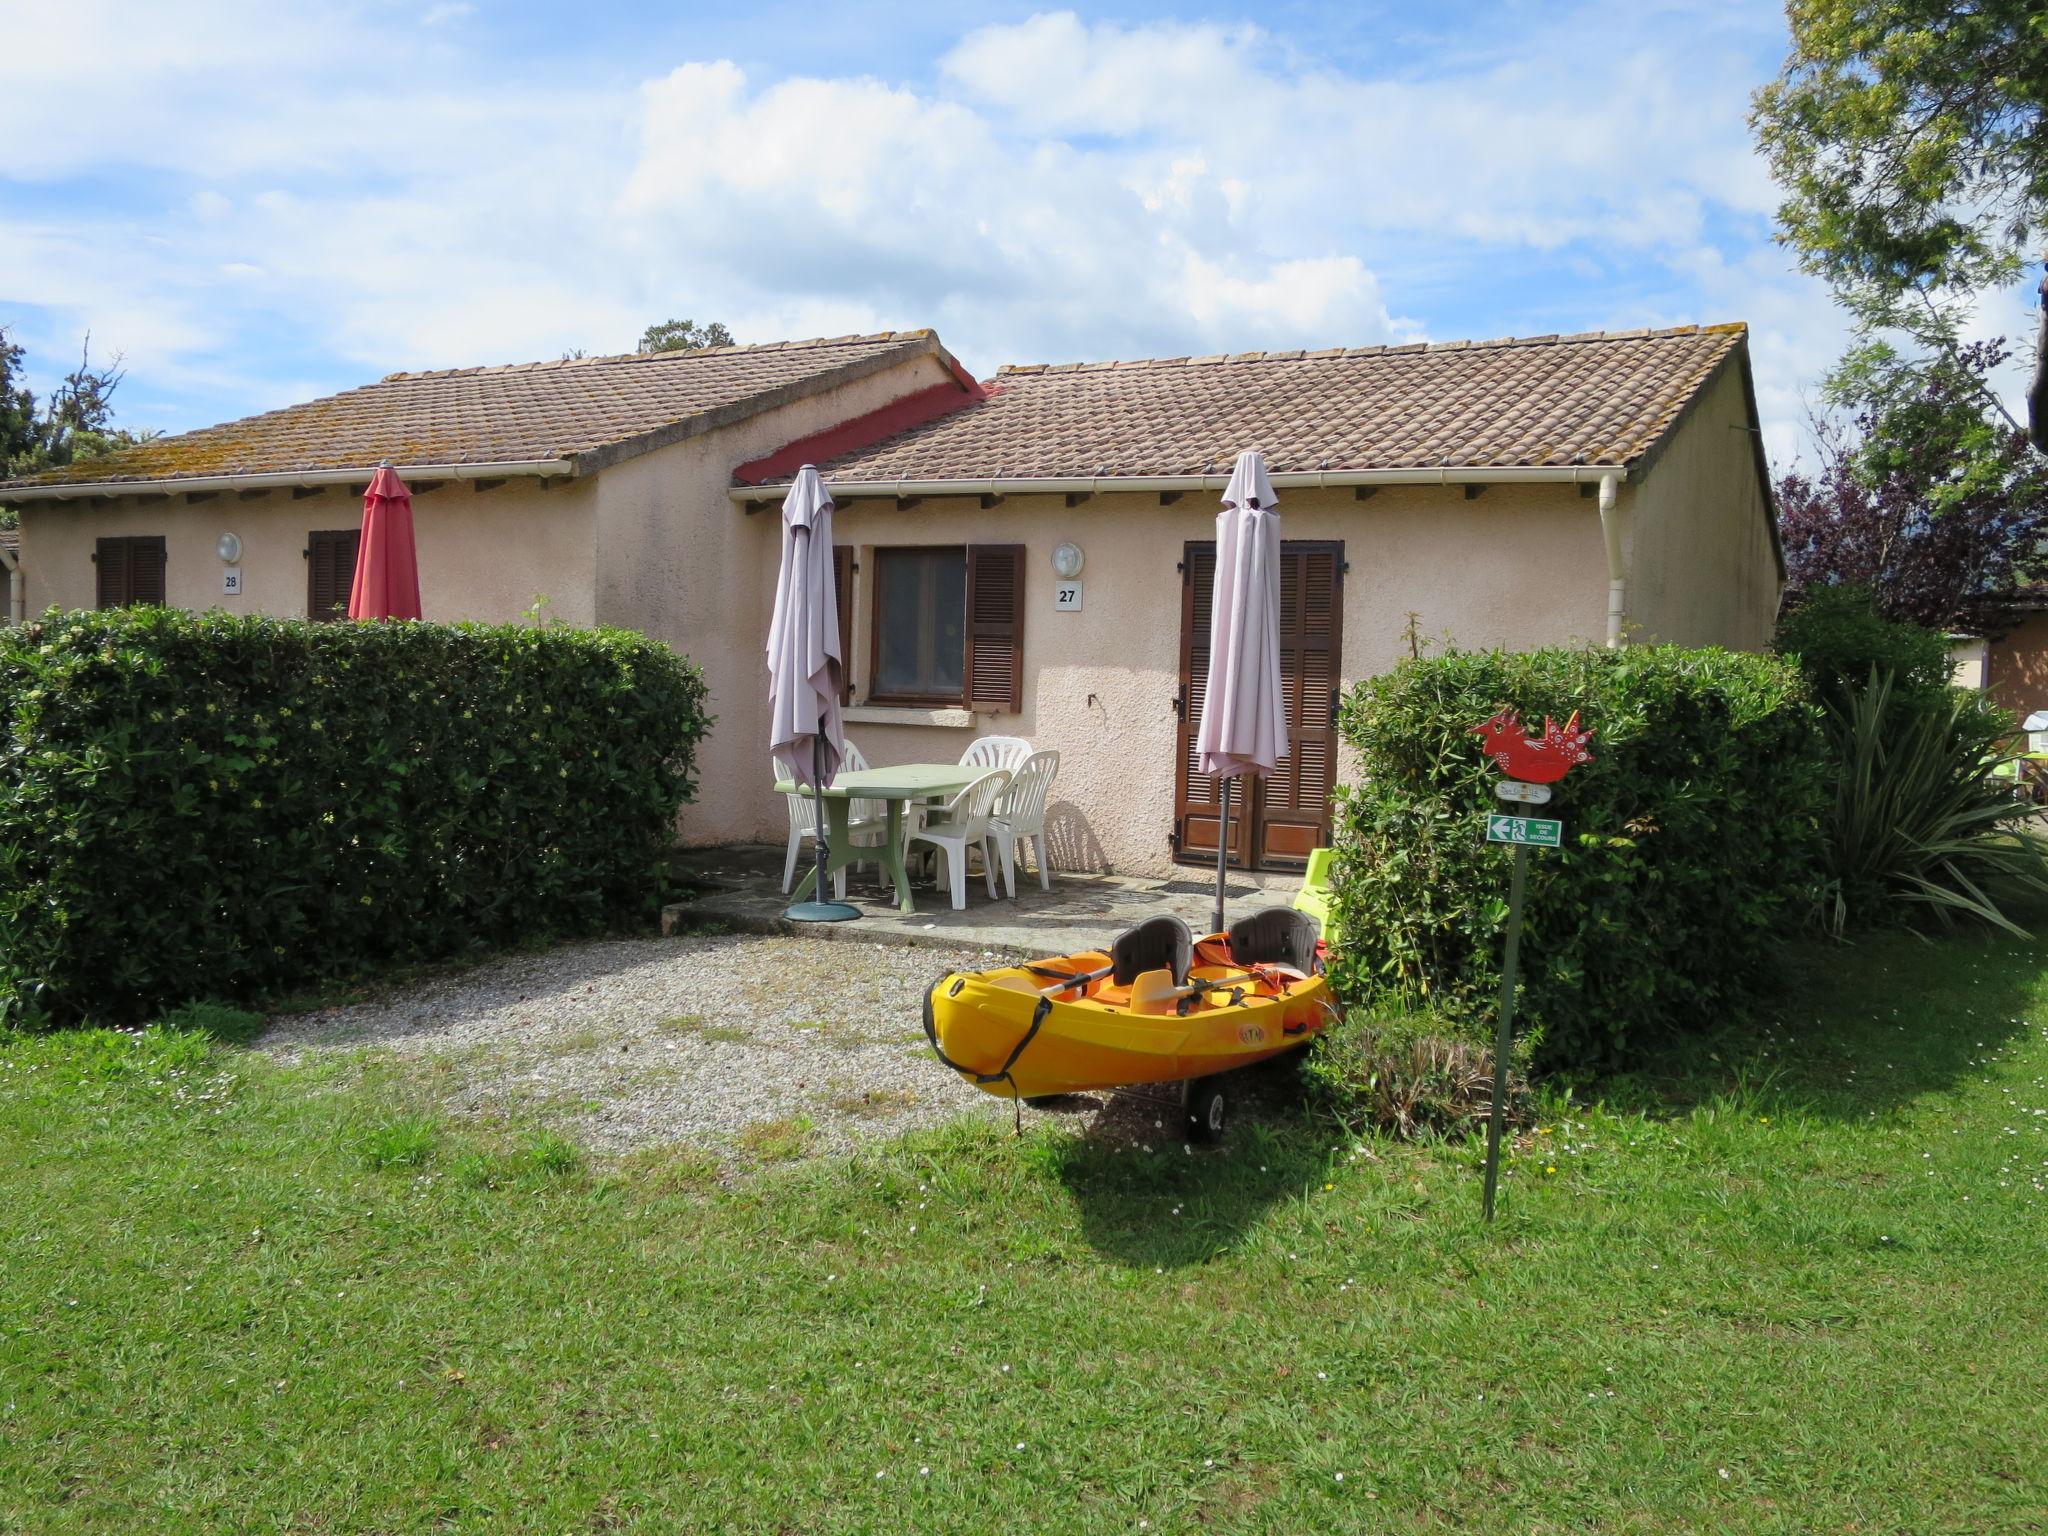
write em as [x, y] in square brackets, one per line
[387, 584]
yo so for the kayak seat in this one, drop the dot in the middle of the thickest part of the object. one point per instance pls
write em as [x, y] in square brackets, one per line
[1276, 936]
[1157, 944]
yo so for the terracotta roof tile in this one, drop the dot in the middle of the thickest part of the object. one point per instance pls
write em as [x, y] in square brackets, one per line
[1597, 399]
[517, 412]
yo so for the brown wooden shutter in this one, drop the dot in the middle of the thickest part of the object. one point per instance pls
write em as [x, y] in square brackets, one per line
[330, 571]
[995, 627]
[842, 592]
[129, 570]
[146, 570]
[110, 559]
[1294, 803]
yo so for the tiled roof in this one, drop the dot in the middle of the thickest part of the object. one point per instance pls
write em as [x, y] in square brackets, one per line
[522, 413]
[1599, 398]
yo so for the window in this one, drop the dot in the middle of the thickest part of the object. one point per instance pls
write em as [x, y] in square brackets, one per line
[949, 626]
[920, 625]
[330, 571]
[129, 571]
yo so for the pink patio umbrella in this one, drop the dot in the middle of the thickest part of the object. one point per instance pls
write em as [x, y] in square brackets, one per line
[804, 666]
[1244, 720]
[387, 584]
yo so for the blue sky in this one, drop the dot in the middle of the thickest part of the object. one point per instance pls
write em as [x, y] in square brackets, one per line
[254, 203]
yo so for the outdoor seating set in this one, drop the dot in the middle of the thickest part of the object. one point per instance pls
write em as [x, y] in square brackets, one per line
[993, 800]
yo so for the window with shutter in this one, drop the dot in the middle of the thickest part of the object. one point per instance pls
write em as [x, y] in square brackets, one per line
[842, 593]
[128, 571]
[995, 627]
[920, 626]
[949, 627]
[330, 571]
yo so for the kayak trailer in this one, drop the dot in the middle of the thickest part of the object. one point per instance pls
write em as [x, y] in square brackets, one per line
[1157, 1007]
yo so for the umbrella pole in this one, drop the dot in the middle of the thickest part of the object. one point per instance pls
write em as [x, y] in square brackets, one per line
[1222, 857]
[818, 803]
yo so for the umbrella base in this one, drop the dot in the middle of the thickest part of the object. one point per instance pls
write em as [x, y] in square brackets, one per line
[821, 912]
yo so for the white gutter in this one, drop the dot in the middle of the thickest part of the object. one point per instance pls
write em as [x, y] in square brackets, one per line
[1304, 479]
[194, 484]
[1617, 573]
[16, 602]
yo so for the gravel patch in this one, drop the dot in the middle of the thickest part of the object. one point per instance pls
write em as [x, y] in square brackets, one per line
[731, 1042]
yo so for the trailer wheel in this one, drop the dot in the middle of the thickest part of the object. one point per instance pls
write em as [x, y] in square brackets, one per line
[1205, 1111]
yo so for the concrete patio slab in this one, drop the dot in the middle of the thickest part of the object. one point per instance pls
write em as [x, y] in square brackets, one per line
[740, 888]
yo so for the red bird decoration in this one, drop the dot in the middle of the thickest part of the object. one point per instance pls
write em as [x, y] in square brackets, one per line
[1534, 759]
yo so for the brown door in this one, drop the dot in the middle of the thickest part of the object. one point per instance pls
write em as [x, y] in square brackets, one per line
[1288, 814]
[1294, 804]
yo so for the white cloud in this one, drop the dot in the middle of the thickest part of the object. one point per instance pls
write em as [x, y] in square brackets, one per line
[351, 190]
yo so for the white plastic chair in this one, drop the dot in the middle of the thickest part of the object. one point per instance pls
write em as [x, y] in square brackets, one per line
[996, 752]
[960, 824]
[1020, 814]
[867, 822]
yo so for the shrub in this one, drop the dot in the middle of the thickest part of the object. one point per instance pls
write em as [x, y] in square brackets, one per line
[199, 805]
[1409, 1075]
[1837, 637]
[1691, 841]
[1919, 822]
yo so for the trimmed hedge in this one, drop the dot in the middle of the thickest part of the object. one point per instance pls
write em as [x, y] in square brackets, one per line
[200, 805]
[1691, 841]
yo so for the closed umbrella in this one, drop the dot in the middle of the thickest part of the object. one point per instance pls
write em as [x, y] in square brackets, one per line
[387, 584]
[804, 665]
[1244, 720]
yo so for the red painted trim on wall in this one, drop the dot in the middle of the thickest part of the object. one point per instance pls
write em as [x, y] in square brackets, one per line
[899, 415]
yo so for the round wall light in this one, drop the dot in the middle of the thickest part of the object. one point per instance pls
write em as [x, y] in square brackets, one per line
[229, 548]
[1067, 561]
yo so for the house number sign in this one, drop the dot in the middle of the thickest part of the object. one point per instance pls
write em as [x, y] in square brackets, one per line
[1066, 597]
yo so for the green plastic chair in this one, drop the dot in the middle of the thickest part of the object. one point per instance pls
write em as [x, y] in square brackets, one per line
[1314, 895]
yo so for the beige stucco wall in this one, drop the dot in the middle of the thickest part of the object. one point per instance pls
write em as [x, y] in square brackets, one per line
[679, 561]
[1700, 569]
[483, 554]
[1518, 567]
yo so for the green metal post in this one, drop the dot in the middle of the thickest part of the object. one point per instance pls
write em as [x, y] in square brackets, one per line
[1504, 1043]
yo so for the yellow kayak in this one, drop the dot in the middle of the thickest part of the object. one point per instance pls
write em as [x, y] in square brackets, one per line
[1156, 1007]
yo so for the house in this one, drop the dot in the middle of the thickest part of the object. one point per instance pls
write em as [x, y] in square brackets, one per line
[1037, 560]
[2008, 658]
[16, 600]
[1028, 555]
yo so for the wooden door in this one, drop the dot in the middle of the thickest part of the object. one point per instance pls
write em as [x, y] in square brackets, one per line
[1288, 814]
[1293, 814]
[1197, 798]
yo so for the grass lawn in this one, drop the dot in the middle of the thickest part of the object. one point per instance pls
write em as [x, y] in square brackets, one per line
[1800, 1288]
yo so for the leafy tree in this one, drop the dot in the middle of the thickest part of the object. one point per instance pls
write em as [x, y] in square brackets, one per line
[75, 424]
[684, 336]
[18, 435]
[1928, 504]
[1911, 137]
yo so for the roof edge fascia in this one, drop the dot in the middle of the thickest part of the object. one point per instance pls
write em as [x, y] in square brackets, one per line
[180, 485]
[1310, 479]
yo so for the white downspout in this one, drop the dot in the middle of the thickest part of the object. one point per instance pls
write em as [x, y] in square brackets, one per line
[15, 602]
[1617, 574]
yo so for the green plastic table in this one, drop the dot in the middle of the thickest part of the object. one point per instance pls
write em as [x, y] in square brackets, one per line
[895, 787]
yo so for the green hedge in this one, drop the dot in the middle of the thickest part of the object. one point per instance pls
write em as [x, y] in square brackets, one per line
[199, 805]
[1690, 842]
